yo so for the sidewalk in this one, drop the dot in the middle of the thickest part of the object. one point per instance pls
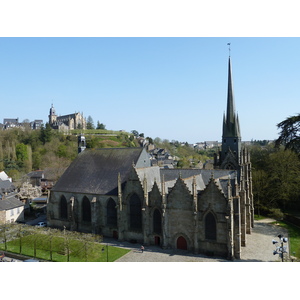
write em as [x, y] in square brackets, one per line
[259, 248]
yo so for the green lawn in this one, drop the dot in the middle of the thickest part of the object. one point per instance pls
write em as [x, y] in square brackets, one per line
[39, 245]
[258, 217]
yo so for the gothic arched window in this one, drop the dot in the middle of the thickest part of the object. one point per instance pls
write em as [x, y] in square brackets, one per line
[210, 227]
[63, 208]
[157, 221]
[86, 210]
[135, 207]
[111, 211]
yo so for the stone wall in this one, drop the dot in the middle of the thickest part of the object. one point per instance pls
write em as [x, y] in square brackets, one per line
[182, 215]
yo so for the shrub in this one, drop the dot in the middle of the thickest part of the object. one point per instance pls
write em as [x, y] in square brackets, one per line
[276, 214]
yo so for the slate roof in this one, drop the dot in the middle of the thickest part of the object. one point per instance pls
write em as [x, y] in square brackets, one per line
[10, 203]
[96, 171]
[36, 174]
[173, 174]
[202, 177]
[6, 186]
[152, 175]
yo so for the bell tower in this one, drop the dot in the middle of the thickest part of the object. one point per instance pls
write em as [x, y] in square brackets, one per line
[52, 115]
[81, 143]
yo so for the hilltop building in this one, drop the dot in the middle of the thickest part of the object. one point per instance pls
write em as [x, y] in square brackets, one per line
[117, 193]
[67, 122]
[14, 123]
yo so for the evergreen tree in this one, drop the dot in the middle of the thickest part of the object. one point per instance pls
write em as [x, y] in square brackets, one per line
[90, 123]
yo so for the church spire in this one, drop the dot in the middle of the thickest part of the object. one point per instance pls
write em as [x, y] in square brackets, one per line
[231, 139]
[231, 127]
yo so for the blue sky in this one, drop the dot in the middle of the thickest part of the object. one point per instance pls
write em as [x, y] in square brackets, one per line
[173, 88]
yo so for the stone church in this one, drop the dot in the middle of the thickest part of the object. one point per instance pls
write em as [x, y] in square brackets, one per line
[117, 193]
[67, 122]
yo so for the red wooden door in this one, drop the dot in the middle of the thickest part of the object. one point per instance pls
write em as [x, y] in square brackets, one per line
[157, 240]
[115, 234]
[181, 243]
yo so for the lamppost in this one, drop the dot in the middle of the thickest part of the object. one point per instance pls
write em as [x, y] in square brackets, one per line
[280, 249]
[106, 252]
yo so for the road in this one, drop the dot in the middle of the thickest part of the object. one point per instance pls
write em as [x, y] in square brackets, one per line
[40, 218]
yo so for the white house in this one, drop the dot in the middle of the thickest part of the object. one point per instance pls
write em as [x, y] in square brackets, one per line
[4, 176]
[11, 210]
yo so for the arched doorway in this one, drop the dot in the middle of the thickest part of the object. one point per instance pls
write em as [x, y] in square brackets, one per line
[181, 243]
[115, 234]
[157, 241]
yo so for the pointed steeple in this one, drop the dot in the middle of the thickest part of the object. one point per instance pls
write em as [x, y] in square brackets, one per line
[230, 96]
[231, 139]
[231, 127]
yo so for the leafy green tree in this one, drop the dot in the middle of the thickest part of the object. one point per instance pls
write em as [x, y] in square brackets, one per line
[150, 140]
[46, 134]
[289, 135]
[283, 182]
[135, 133]
[100, 126]
[21, 152]
[260, 185]
[1, 156]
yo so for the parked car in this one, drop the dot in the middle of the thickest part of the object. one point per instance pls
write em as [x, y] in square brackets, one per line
[41, 224]
[31, 260]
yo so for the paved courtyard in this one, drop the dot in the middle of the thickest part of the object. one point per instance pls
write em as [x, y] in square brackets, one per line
[259, 248]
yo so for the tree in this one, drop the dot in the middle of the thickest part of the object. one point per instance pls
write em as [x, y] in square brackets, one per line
[283, 182]
[46, 133]
[150, 140]
[100, 126]
[21, 152]
[289, 136]
[1, 157]
[90, 123]
[135, 133]
[259, 179]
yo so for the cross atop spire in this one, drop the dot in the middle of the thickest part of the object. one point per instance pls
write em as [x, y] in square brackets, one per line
[228, 44]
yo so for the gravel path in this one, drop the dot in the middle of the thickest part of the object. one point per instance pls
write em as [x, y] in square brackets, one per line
[259, 248]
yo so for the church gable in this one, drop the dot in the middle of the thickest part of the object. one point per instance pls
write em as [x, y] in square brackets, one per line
[212, 197]
[155, 197]
[133, 184]
[229, 162]
[180, 197]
